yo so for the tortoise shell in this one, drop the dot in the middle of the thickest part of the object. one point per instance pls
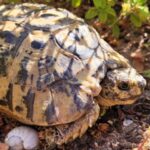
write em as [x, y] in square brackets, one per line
[51, 64]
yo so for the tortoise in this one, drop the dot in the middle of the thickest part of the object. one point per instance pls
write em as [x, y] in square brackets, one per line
[57, 72]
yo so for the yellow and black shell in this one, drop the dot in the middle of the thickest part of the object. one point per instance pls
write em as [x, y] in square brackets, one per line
[51, 64]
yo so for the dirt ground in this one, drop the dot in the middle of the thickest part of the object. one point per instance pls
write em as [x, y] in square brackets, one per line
[122, 127]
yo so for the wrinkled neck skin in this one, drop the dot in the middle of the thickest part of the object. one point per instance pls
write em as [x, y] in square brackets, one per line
[108, 102]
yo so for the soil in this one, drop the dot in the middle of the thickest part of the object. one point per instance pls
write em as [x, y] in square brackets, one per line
[121, 127]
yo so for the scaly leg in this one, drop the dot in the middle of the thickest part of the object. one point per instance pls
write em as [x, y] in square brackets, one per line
[68, 132]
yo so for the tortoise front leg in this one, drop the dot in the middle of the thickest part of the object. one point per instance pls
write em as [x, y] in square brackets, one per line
[68, 132]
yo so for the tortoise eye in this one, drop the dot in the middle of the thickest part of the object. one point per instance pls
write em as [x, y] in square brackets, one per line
[124, 86]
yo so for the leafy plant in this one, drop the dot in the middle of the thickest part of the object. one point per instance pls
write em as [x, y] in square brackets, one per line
[136, 10]
[76, 3]
[104, 11]
[13, 1]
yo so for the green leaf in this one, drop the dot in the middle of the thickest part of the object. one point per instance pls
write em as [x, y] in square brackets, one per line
[126, 1]
[135, 20]
[111, 20]
[76, 3]
[116, 30]
[143, 13]
[14, 1]
[126, 8]
[100, 3]
[48, 1]
[140, 2]
[130, 2]
[91, 13]
[102, 16]
[111, 2]
[111, 11]
[146, 73]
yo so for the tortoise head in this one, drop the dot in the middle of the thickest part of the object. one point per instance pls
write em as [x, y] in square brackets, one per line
[121, 86]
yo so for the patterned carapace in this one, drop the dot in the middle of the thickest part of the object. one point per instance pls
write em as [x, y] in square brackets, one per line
[55, 69]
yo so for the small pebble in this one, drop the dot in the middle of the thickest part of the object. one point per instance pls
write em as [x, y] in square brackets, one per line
[127, 122]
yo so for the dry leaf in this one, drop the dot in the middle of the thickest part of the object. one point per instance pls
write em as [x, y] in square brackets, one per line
[104, 127]
[138, 60]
